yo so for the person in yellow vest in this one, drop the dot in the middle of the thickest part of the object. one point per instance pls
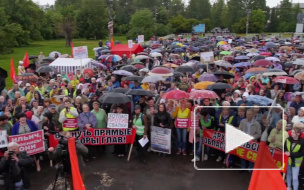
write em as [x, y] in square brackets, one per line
[182, 114]
[294, 148]
[68, 113]
[74, 82]
[40, 88]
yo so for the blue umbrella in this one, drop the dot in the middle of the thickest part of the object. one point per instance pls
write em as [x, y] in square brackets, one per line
[156, 50]
[248, 75]
[178, 50]
[261, 100]
[242, 64]
[243, 57]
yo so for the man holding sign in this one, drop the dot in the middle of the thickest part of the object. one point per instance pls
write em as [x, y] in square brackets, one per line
[68, 117]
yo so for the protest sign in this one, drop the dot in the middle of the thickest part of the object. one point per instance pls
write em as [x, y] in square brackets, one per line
[32, 143]
[70, 123]
[182, 123]
[3, 139]
[80, 52]
[141, 39]
[247, 151]
[161, 140]
[194, 121]
[118, 121]
[207, 57]
[100, 137]
[130, 44]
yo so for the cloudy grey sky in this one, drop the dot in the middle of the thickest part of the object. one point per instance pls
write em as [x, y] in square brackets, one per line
[270, 3]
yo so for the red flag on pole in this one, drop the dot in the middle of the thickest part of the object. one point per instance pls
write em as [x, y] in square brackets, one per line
[72, 50]
[77, 179]
[112, 42]
[26, 61]
[13, 72]
[266, 179]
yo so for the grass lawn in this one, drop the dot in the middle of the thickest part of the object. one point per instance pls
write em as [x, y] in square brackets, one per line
[47, 47]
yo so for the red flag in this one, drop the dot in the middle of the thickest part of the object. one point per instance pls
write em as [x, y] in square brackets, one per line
[13, 73]
[112, 42]
[72, 50]
[266, 179]
[26, 61]
[77, 179]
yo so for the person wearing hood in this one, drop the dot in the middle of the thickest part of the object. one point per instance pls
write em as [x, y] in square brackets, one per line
[276, 135]
[70, 75]
[64, 76]
[236, 96]
[38, 98]
[16, 88]
[48, 125]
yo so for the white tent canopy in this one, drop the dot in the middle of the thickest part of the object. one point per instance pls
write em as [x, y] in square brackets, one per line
[71, 64]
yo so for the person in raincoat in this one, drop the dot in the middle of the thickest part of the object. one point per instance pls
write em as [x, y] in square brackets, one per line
[275, 138]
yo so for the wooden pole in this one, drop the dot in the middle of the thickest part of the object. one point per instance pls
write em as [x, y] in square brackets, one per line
[51, 163]
[130, 151]
[203, 152]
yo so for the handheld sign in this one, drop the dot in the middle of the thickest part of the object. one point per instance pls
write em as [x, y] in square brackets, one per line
[118, 121]
[80, 52]
[70, 123]
[3, 139]
[130, 44]
[141, 38]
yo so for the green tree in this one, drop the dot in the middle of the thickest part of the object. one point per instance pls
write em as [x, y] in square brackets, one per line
[257, 22]
[176, 7]
[236, 9]
[272, 25]
[142, 22]
[198, 9]
[177, 24]
[287, 17]
[217, 13]
[162, 15]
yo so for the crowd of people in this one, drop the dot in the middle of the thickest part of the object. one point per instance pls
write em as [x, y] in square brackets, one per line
[49, 99]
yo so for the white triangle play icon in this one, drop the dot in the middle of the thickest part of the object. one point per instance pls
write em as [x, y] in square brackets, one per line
[235, 138]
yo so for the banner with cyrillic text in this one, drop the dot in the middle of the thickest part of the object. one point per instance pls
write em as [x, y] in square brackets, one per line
[182, 123]
[32, 143]
[247, 151]
[118, 121]
[161, 139]
[3, 139]
[99, 137]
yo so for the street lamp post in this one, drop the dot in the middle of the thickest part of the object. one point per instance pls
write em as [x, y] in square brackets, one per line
[248, 11]
[111, 14]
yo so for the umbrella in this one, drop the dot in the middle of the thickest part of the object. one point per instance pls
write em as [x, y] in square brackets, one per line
[175, 95]
[252, 50]
[171, 65]
[33, 57]
[218, 86]
[203, 85]
[293, 73]
[89, 71]
[222, 63]
[228, 58]
[114, 98]
[133, 78]
[140, 57]
[257, 70]
[285, 80]
[277, 72]
[222, 43]
[299, 62]
[160, 71]
[106, 51]
[252, 54]
[225, 53]
[144, 70]
[262, 63]
[45, 69]
[299, 76]
[3, 73]
[129, 68]
[208, 77]
[119, 65]
[185, 69]
[242, 57]
[48, 59]
[26, 77]
[178, 74]
[225, 74]
[195, 94]
[139, 92]
[261, 100]
[156, 54]
[113, 58]
[103, 56]
[97, 64]
[266, 54]
[274, 59]
[258, 57]
[123, 73]
[53, 53]
[143, 53]
[139, 66]
[64, 56]
[152, 79]
[174, 56]
[202, 66]
[119, 90]
[242, 64]
[178, 50]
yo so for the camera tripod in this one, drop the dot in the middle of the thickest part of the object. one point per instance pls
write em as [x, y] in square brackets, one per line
[63, 174]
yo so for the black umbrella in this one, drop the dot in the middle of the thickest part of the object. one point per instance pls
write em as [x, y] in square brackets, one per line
[114, 98]
[287, 65]
[185, 69]
[202, 66]
[48, 59]
[293, 73]
[33, 57]
[3, 73]
[139, 92]
[197, 58]
[119, 66]
[225, 74]
[133, 78]
[129, 68]
[119, 90]
[105, 51]
[218, 86]
[178, 74]
[45, 69]
[300, 47]
[258, 57]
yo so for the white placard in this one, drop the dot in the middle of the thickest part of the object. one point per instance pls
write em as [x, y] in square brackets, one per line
[130, 43]
[118, 121]
[207, 56]
[161, 140]
[229, 41]
[143, 141]
[141, 39]
[80, 52]
[3, 139]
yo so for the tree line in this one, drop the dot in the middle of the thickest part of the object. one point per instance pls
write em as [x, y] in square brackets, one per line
[23, 21]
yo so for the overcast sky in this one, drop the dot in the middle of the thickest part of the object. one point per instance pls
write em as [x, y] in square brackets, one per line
[270, 3]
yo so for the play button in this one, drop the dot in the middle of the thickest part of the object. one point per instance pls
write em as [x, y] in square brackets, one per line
[235, 138]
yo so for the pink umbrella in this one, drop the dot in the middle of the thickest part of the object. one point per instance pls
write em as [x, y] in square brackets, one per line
[262, 63]
[195, 94]
[161, 71]
[285, 80]
[175, 95]
[266, 54]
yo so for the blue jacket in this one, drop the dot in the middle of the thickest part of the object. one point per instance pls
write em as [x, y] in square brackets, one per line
[32, 126]
[297, 106]
[84, 119]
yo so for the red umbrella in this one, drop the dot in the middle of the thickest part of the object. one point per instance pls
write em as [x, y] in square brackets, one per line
[89, 71]
[228, 58]
[175, 94]
[156, 45]
[161, 71]
[139, 66]
[257, 70]
[285, 80]
[262, 63]
[266, 54]
[203, 94]
[143, 53]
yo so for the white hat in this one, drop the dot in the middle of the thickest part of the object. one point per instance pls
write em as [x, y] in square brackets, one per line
[52, 80]
[59, 75]
[20, 62]
[27, 84]
[245, 94]
[93, 78]
[238, 92]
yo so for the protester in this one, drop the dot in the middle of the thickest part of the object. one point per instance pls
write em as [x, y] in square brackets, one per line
[276, 135]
